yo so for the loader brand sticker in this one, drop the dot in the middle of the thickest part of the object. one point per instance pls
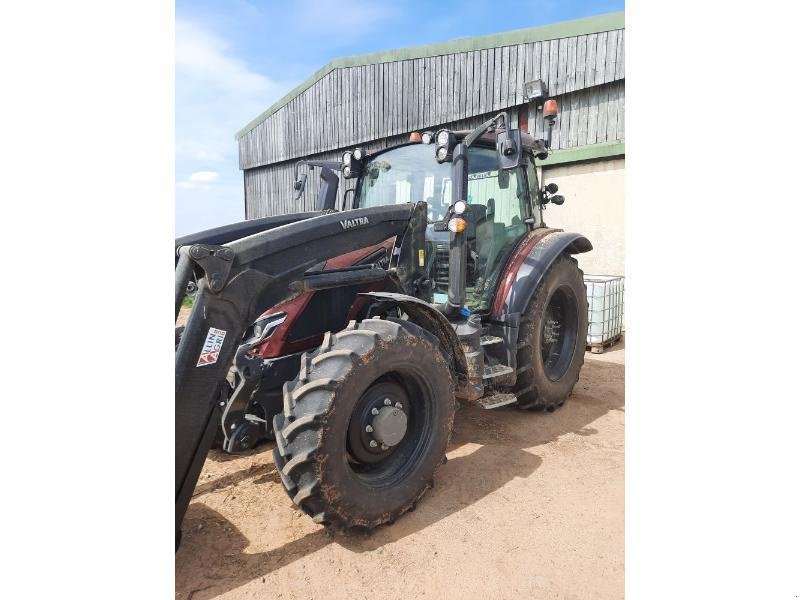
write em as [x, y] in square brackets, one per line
[358, 222]
[211, 347]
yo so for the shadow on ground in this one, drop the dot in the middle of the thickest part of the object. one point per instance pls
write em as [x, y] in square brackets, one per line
[507, 440]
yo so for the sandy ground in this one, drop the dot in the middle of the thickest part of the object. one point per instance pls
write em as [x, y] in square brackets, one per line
[529, 505]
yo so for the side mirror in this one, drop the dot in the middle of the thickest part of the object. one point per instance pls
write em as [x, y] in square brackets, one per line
[557, 200]
[300, 186]
[551, 188]
[509, 146]
[328, 187]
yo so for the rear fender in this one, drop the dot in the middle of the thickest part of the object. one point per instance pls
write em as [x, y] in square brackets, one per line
[528, 267]
[523, 274]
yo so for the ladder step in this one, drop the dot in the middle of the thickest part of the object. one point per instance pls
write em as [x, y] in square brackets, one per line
[490, 339]
[495, 401]
[491, 371]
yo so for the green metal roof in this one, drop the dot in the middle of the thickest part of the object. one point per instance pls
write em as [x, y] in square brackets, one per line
[596, 24]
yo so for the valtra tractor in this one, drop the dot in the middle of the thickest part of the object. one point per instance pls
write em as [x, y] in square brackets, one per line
[348, 336]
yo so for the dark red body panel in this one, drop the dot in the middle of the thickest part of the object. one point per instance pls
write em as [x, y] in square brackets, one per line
[278, 344]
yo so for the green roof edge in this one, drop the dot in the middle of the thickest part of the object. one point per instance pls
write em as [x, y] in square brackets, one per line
[581, 153]
[585, 26]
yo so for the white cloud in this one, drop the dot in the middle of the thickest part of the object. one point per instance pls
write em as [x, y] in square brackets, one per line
[204, 176]
[216, 93]
[199, 180]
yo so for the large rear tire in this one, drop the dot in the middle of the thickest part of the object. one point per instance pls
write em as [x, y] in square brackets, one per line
[552, 338]
[365, 424]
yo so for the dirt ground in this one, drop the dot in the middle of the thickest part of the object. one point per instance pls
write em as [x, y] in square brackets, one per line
[529, 505]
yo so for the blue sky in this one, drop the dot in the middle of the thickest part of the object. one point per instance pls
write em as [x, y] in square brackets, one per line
[234, 58]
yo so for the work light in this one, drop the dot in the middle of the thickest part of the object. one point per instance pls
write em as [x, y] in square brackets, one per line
[352, 162]
[445, 142]
[535, 91]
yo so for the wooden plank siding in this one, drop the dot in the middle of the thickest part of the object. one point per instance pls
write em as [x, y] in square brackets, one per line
[364, 103]
[587, 116]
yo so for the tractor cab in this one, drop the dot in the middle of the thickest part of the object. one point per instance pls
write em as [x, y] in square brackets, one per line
[501, 206]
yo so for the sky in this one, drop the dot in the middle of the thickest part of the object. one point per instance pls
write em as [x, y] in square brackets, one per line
[235, 58]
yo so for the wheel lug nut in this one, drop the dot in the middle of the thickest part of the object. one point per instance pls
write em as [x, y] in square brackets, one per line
[368, 429]
[373, 444]
[384, 447]
[374, 411]
[387, 402]
[398, 405]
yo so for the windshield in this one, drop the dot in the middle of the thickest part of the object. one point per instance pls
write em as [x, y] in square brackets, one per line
[407, 174]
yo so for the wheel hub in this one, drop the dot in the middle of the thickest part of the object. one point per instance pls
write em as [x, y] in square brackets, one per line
[379, 424]
[389, 426]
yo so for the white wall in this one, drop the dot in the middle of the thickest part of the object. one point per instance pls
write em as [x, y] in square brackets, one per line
[594, 205]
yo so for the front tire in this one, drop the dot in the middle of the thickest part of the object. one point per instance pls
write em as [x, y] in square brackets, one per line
[365, 424]
[552, 338]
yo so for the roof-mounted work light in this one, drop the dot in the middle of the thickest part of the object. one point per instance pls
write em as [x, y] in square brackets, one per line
[445, 142]
[351, 163]
[535, 91]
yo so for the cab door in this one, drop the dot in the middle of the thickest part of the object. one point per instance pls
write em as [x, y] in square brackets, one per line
[499, 204]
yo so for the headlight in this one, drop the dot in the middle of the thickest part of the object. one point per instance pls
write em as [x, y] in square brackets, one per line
[441, 153]
[266, 326]
[346, 171]
[427, 137]
[459, 207]
[358, 154]
[443, 137]
[346, 158]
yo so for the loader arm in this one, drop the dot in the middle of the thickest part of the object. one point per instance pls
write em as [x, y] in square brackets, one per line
[237, 282]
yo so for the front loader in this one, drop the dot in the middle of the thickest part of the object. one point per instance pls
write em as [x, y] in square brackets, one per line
[348, 336]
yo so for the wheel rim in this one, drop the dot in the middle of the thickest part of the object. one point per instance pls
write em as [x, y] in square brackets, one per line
[401, 430]
[559, 333]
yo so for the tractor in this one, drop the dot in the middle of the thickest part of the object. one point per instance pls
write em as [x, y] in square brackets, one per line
[349, 336]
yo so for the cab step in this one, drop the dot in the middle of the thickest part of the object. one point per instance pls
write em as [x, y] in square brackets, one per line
[487, 340]
[492, 371]
[495, 401]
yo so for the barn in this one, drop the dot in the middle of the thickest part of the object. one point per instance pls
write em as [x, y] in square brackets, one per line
[375, 100]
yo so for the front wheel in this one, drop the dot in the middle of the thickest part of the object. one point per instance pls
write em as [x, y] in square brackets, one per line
[365, 424]
[552, 338]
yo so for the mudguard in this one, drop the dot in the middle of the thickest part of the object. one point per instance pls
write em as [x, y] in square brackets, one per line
[528, 266]
[424, 315]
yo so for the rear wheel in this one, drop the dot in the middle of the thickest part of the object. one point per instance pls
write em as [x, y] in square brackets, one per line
[552, 338]
[365, 424]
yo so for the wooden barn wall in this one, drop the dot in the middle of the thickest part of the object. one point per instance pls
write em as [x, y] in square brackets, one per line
[590, 115]
[355, 105]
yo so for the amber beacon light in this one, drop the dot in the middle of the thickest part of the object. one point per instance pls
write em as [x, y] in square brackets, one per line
[550, 109]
